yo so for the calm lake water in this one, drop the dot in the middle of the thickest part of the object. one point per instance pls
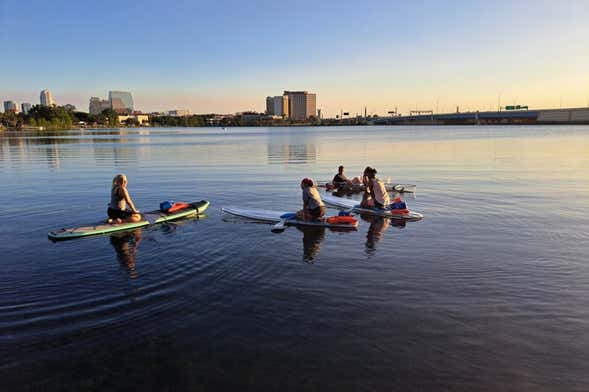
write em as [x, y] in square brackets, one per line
[490, 291]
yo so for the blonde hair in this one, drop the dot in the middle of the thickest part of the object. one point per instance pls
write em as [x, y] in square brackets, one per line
[118, 181]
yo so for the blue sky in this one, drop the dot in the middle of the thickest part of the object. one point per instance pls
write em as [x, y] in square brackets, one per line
[226, 56]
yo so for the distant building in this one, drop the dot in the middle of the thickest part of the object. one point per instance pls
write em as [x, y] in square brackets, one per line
[10, 106]
[69, 107]
[277, 106]
[301, 104]
[47, 98]
[97, 105]
[178, 113]
[121, 101]
[25, 107]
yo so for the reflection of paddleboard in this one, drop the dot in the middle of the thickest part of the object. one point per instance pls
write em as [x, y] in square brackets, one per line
[288, 218]
[355, 206]
[149, 218]
[400, 188]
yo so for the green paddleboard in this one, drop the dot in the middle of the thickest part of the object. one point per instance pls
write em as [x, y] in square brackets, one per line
[149, 218]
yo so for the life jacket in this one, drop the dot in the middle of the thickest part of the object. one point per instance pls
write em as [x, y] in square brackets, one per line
[342, 220]
[398, 206]
[173, 206]
[179, 205]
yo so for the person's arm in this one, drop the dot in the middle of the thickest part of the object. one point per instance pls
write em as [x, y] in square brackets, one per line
[366, 183]
[305, 198]
[128, 200]
[371, 186]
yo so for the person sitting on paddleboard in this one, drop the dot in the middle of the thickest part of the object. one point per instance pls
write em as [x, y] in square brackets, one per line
[340, 178]
[313, 207]
[375, 194]
[119, 199]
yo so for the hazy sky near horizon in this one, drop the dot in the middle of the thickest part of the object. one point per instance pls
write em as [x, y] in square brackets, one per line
[227, 56]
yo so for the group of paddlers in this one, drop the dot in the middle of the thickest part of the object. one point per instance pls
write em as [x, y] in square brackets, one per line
[121, 208]
[375, 192]
[374, 195]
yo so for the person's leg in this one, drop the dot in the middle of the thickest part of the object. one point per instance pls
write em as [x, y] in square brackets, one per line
[367, 203]
[300, 214]
[320, 212]
[114, 216]
[133, 218]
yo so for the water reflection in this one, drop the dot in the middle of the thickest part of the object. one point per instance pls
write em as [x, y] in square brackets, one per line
[291, 153]
[378, 226]
[287, 147]
[54, 146]
[312, 239]
[125, 245]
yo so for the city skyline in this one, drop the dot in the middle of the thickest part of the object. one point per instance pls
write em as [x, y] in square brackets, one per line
[382, 55]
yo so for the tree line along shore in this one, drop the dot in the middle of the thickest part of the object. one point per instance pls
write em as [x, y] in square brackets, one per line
[59, 118]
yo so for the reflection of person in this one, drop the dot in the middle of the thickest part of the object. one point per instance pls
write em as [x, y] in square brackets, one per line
[119, 199]
[378, 225]
[313, 207]
[126, 244]
[375, 192]
[312, 238]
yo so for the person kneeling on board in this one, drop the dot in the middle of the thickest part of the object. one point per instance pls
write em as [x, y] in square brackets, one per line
[375, 192]
[119, 199]
[313, 207]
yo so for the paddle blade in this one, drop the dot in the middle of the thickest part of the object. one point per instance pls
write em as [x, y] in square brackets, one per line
[279, 227]
[151, 218]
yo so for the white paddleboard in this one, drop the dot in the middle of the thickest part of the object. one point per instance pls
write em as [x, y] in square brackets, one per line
[275, 216]
[399, 188]
[355, 206]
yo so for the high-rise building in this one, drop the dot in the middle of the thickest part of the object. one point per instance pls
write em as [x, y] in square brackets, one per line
[47, 98]
[301, 104]
[277, 105]
[10, 106]
[121, 101]
[97, 105]
[25, 106]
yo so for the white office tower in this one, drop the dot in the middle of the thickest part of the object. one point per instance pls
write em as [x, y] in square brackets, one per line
[47, 98]
[277, 106]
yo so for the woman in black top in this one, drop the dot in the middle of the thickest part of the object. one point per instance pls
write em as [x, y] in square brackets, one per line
[119, 199]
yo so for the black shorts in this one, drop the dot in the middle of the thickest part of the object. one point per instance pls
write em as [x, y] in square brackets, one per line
[317, 212]
[378, 205]
[118, 214]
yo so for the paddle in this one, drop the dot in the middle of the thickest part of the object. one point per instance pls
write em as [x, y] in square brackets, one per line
[150, 218]
[280, 226]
